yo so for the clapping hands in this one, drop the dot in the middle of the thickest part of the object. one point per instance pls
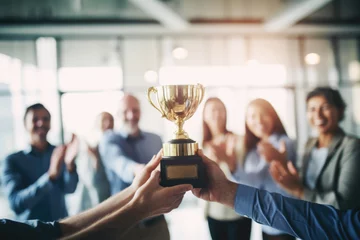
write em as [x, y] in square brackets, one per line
[63, 154]
[270, 153]
[287, 177]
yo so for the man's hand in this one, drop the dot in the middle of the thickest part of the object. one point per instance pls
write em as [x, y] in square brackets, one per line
[72, 149]
[219, 188]
[288, 178]
[151, 199]
[269, 153]
[57, 159]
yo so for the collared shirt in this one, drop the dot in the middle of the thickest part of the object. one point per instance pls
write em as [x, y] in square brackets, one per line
[120, 154]
[31, 229]
[304, 220]
[32, 195]
[255, 171]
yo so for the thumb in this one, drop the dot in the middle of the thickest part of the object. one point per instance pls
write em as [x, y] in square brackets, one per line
[151, 166]
[282, 148]
[196, 192]
[292, 168]
[205, 159]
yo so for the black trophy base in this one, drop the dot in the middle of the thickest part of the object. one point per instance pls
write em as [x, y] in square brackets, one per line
[182, 170]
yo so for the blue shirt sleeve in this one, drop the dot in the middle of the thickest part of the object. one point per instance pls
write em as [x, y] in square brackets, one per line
[69, 181]
[299, 218]
[32, 229]
[113, 157]
[22, 198]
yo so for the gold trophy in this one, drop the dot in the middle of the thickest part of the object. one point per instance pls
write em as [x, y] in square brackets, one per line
[180, 164]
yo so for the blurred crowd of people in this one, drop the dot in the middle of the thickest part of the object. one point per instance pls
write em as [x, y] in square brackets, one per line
[37, 178]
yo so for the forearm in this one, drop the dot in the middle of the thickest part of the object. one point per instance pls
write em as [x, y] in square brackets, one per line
[26, 198]
[299, 218]
[228, 194]
[70, 181]
[83, 220]
[111, 227]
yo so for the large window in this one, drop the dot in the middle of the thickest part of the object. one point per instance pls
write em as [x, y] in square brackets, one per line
[80, 109]
[236, 87]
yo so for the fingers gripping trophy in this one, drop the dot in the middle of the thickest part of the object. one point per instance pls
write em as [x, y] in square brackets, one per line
[180, 164]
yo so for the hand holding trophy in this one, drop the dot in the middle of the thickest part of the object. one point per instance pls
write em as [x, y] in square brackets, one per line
[180, 164]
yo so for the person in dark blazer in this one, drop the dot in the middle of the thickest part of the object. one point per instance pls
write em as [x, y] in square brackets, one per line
[329, 172]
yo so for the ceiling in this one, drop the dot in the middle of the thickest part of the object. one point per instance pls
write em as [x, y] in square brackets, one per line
[180, 15]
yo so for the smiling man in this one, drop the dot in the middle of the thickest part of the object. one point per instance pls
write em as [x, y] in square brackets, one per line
[37, 178]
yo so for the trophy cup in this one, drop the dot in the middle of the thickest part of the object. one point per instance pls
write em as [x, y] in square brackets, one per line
[180, 164]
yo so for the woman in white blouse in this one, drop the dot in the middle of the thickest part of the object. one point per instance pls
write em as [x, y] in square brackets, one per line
[218, 144]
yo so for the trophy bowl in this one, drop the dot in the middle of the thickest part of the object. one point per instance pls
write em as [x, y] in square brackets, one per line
[177, 103]
[180, 164]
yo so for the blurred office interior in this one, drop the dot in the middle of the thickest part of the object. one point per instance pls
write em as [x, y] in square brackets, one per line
[78, 57]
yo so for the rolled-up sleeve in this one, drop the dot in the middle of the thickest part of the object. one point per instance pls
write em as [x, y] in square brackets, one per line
[299, 218]
[20, 197]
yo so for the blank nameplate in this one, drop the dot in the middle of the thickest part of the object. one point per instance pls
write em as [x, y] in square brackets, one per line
[181, 171]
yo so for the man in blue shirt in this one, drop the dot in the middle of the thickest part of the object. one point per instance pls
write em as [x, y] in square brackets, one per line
[124, 154]
[304, 220]
[37, 178]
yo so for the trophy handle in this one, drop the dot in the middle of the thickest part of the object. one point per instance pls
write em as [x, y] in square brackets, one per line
[149, 92]
[202, 92]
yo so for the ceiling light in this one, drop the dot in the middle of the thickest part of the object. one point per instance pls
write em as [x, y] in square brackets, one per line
[180, 53]
[312, 59]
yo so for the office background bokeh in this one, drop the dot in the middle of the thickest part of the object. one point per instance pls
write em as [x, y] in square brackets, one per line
[77, 76]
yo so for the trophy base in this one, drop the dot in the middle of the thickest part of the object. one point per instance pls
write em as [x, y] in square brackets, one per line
[177, 170]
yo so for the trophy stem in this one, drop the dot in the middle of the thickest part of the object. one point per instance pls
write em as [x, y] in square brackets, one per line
[180, 133]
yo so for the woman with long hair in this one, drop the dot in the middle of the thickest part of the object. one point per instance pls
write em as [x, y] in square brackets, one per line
[329, 171]
[264, 141]
[218, 144]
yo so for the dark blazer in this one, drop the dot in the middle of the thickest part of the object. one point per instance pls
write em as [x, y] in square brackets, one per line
[339, 180]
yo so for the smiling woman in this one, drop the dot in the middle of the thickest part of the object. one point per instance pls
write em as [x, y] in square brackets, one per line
[328, 172]
[325, 109]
